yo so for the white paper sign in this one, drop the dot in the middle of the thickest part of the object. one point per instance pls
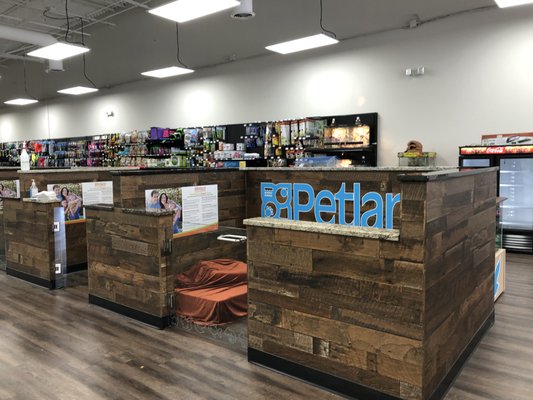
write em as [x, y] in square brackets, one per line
[97, 192]
[200, 208]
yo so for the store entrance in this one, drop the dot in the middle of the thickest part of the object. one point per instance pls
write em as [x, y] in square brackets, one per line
[210, 288]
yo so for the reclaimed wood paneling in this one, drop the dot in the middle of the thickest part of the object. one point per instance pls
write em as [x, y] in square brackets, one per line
[129, 189]
[377, 181]
[60, 176]
[29, 239]
[459, 265]
[126, 259]
[335, 304]
[133, 258]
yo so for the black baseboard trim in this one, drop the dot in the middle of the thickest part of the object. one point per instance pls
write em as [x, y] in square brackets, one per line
[30, 278]
[158, 322]
[76, 267]
[352, 389]
[315, 377]
[446, 383]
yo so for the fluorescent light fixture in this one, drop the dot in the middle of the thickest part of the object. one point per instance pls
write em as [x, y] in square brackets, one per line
[186, 10]
[58, 51]
[306, 43]
[77, 90]
[512, 3]
[20, 102]
[166, 72]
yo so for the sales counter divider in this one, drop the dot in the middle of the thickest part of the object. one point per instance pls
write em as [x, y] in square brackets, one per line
[369, 312]
[6, 174]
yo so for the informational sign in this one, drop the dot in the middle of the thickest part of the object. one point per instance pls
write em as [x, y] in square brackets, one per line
[70, 197]
[97, 192]
[200, 208]
[500, 139]
[289, 200]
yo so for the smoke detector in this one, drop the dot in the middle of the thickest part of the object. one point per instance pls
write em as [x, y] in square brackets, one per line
[244, 11]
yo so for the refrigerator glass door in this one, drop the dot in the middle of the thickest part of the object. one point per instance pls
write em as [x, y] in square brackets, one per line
[516, 183]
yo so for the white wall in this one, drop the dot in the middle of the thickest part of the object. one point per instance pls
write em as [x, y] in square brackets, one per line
[479, 80]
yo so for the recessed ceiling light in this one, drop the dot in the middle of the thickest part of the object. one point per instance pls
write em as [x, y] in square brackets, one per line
[166, 72]
[20, 102]
[511, 3]
[186, 10]
[58, 51]
[77, 90]
[306, 43]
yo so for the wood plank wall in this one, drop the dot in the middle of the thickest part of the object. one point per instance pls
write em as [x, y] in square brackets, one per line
[188, 250]
[459, 262]
[129, 190]
[345, 306]
[376, 181]
[42, 179]
[29, 238]
[126, 259]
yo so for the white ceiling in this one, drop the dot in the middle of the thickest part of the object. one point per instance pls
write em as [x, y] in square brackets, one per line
[125, 40]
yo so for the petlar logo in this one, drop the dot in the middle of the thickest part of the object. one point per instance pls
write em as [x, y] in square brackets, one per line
[291, 200]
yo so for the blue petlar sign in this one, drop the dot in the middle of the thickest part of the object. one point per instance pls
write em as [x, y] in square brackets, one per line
[293, 199]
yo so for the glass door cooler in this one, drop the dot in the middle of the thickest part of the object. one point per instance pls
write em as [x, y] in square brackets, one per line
[515, 182]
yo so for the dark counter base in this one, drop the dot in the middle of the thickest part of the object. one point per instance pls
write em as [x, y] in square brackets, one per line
[76, 267]
[354, 390]
[158, 322]
[450, 377]
[329, 382]
[30, 278]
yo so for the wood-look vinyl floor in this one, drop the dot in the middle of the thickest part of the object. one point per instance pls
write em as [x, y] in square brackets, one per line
[54, 345]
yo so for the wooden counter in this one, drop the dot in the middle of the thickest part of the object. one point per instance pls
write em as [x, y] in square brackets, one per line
[372, 317]
[29, 238]
[133, 259]
[129, 187]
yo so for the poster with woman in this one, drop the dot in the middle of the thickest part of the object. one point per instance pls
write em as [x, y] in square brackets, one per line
[166, 199]
[70, 197]
[9, 188]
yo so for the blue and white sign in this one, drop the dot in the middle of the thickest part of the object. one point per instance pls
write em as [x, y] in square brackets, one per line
[293, 199]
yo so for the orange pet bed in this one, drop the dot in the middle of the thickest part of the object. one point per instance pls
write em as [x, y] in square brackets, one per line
[213, 292]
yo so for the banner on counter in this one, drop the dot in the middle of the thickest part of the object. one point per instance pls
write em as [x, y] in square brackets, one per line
[9, 188]
[169, 199]
[70, 197]
[289, 200]
[200, 208]
[97, 192]
[195, 208]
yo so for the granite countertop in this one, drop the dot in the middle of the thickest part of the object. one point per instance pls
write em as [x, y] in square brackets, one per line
[330, 229]
[138, 211]
[445, 174]
[158, 171]
[28, 200]
[144, 211]
[75, 169]
[380, 169]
